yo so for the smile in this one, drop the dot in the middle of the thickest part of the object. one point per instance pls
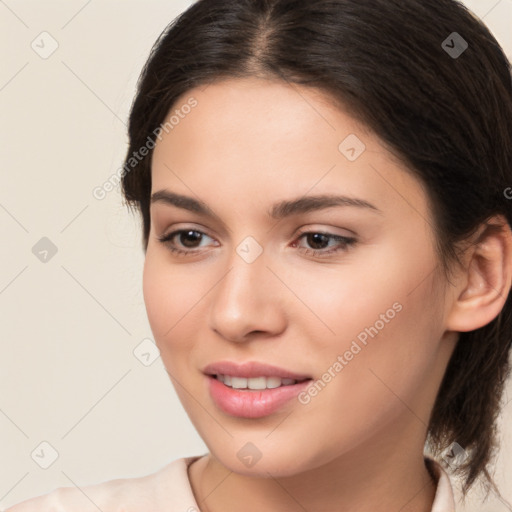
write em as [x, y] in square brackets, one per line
[254, 383]
[247, 402]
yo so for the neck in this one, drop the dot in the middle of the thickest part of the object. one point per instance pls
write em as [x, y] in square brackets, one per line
[378, 477]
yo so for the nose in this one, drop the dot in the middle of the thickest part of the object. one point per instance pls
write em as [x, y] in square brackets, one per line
[247, 302]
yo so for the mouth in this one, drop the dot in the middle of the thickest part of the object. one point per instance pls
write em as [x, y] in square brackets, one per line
[253, 397]
[252, 389]
[252, 371]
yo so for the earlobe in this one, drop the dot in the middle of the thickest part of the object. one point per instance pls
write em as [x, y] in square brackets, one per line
[484, 285]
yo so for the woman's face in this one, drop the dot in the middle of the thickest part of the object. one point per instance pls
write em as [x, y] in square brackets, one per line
[363, 317]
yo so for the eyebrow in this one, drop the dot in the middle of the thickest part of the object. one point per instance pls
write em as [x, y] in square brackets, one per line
[278, 211]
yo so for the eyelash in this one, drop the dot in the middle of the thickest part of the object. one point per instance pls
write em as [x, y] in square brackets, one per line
[346, 243]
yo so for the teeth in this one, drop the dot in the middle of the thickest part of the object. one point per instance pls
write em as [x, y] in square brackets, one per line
[273, 382]
[254, 382]
[238, 382]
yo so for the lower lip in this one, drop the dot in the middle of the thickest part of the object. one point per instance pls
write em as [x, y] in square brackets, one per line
[248, 403]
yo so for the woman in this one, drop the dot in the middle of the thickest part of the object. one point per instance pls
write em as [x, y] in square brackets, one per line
[328, 253]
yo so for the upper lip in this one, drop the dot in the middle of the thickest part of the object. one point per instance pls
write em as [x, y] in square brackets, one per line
[251, 369]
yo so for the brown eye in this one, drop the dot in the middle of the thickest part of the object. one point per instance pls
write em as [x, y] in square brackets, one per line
[187, 239]
[320, 240]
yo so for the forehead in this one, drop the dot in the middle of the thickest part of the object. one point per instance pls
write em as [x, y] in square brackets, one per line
[253, 117]
[264, 139]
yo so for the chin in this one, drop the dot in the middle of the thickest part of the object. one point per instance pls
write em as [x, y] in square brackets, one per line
[250, 461]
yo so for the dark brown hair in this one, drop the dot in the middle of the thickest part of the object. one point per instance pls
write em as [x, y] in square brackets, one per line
[398, 67]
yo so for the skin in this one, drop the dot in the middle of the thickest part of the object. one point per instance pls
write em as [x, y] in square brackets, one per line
[358, 444]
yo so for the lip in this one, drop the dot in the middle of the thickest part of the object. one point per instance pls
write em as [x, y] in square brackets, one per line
[251, 369]
[251, 403]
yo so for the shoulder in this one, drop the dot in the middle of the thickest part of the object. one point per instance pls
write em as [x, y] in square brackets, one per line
[167, 489]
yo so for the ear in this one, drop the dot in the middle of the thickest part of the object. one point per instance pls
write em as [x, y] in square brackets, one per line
[482, 287]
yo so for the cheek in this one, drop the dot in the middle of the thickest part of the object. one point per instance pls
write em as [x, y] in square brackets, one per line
[386, 367]
[158, 300]
[171, 298]
[358, 301]
[375, 385]
[385, 323]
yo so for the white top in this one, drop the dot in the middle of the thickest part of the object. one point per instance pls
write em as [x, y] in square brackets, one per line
[167, 490]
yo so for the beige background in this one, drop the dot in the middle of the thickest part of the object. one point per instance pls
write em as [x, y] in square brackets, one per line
[70, 325]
